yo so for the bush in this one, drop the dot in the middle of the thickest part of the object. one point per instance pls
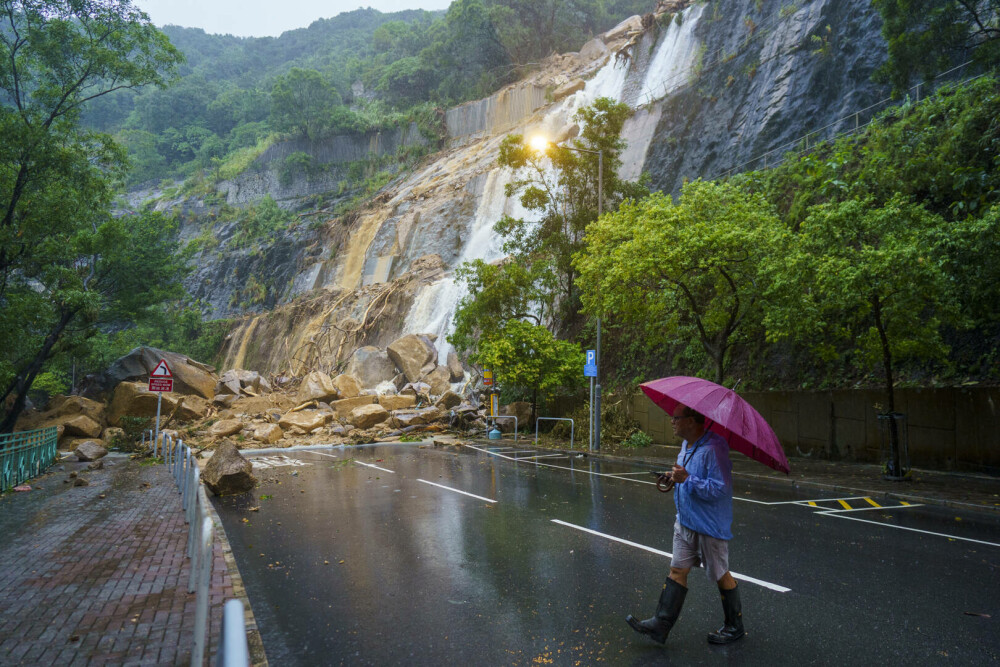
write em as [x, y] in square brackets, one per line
[637, 439]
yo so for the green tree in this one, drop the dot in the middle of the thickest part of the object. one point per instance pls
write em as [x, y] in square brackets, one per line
[870, 276]
[301, 103]
[686, 271]
[926, 37]
[528, 357]
[61, 255]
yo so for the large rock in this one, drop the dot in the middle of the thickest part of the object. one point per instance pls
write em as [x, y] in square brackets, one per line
[439, 380]
[404, 418]
[190, 376]
[398, 402]
[411, 353]
[90, 451]
[568, 89]
[448, 400]
[344, 406]
[304, 420]
[135, 400]
[113, 436]
[519, 409]
[227, 472]
[237, 381]
[347, 386]
[367, 416]
[225, 427]
[72, 405]
[82, 426]
[455, 370]
[371, 366]
[317, 386]
[268, 433]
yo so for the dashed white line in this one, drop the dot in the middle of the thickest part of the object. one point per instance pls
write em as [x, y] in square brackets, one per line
[741, 577]
[372, 465]
[464, 493]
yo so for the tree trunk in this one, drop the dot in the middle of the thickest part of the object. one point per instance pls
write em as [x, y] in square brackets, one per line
[890, 391]
[22, 382]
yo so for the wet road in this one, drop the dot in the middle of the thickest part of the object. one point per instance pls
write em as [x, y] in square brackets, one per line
[404, 554]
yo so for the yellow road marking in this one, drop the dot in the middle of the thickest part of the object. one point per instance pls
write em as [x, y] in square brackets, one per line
[872, 502]
[813, 504]
[846, 506]
[903, 502]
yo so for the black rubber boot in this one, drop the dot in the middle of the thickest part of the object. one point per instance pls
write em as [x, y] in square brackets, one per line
[667, 611]
[732, 630]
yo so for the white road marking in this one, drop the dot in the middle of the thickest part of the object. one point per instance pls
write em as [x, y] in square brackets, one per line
[840, 515]
[276, 462]
[868, 509]
[309, 451]
[372, 465]
[464, 493]
[741, 577]
[543, 456]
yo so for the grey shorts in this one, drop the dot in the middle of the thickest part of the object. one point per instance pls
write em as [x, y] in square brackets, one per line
[692, 549]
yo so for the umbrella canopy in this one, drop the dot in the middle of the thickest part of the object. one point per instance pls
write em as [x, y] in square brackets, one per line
[732, 417]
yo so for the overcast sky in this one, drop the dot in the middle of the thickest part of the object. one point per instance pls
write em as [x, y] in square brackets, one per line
[260, 18]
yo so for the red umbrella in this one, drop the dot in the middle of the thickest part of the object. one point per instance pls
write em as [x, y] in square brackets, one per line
[732, 417]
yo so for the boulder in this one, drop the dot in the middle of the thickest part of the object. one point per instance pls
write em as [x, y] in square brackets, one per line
[416, 389]
[135, 400]
[367, 416]
[568, 89]
[82, 426]
[398, 402]
[448, 400]
[411, 353]
[519, 409]
[371, 366]
[225, 427]
[631, 24]
[317, 386]
[190, 376]
[268, 433]
[404, 418]
[304, 420]
[224, 400]
[236, 381]
[113, 436]
[347, 386]
[593, 50]
[344, 406]
[439, 379]
[227, 472]
[89, 450]
[455, 371]
[74, 405]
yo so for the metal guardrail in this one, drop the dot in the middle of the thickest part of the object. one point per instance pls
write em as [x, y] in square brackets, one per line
[572, 426]
[26, 454]
[201, 537]
[514, 417]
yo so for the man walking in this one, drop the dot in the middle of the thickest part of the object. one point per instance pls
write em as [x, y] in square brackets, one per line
[703, 493]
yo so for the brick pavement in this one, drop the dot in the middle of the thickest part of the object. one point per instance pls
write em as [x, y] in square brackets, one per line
[97, 575]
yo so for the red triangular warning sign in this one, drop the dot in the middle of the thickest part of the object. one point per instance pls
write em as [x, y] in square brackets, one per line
[161, 370]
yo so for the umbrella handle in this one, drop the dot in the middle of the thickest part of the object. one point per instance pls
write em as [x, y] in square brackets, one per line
[664, 484]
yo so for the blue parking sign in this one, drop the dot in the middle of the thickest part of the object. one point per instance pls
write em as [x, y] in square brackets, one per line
[590, 369]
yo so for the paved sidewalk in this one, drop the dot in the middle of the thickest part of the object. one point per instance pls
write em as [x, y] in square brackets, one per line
[97, 575]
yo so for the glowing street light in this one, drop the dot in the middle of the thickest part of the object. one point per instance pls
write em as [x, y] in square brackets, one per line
[541, 144]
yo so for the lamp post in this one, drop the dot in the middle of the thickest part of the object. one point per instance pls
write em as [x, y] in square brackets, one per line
[541, 144]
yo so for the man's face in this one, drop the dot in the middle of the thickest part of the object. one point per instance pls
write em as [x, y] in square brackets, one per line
[682, 424]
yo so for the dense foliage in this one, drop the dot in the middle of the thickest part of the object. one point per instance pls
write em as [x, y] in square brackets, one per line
[359, 71]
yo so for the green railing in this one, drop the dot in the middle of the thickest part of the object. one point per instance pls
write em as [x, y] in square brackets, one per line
[25, 455]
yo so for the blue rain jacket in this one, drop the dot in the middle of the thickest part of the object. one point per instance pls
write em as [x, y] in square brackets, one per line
[705, 499]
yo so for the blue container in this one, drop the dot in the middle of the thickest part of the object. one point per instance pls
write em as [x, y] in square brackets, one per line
[495, 434]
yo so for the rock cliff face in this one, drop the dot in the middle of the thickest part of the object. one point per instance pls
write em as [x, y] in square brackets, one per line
[713, 85]
[767, 79]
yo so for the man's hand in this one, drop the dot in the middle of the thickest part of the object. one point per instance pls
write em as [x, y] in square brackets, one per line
[679, 474]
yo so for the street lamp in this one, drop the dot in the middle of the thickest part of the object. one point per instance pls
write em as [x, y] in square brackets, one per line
[541, 144]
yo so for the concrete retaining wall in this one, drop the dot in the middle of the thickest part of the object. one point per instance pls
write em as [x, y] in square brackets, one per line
[950, 429]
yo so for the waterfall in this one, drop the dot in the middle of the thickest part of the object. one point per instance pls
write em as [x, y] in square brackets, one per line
[675, 58]
[434, 306]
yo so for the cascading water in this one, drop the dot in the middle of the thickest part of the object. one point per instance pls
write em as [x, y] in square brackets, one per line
[434, 306]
